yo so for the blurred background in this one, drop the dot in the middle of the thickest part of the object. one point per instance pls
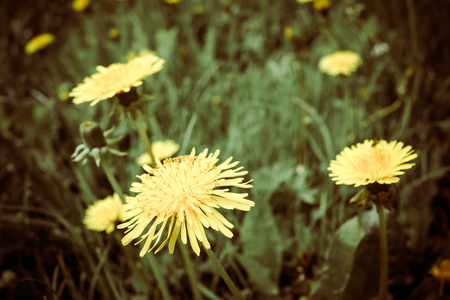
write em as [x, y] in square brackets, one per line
[242, 77]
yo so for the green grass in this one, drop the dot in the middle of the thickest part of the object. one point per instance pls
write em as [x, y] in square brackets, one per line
[232, 81]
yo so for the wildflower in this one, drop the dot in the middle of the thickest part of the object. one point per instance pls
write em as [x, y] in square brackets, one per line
[114, 33]
[95, 143]
[304, 1]
[172, 1]
[63, 95]
[161, 150]
[80, 5]
[288, 33]
[103, 214]
[441, 272]
[184, 193]
[39, 42]
[199, 10]
[341, 62]
[116, 79]
[321, 5]
[371, 162]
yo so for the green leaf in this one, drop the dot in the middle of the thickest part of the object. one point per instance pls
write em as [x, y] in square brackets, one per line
[165, 42]
[267, 179]
[262, 249]
[339, 261]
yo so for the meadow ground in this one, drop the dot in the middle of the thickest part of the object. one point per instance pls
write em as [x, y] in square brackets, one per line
[242, 77]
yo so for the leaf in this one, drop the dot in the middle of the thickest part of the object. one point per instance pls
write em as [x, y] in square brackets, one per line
[267, 179]
[339, 261]
[165, 42]
[262, 249]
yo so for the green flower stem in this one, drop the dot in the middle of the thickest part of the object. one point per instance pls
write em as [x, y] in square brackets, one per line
[112, 180]
[382, 293]
[224, 275]
[151, 259]
[143, 133]
[158, 276]
[190, 270]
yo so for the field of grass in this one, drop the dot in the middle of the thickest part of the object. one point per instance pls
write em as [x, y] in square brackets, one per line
[241, 77]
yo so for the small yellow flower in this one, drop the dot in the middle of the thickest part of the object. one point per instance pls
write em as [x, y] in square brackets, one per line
[183, 193]
[371, 162]
[39, 42]
[80, 5]
[161, 150]
[288, 33]
[304, 1]
[172, 1]
[116, 78]
[199, 10]
[63, 95]
[103, 214]
[441, 272]
[341, 62]
[321, 5]
[114, 33]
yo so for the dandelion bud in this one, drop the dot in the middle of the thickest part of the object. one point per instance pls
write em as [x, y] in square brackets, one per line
[92, 135]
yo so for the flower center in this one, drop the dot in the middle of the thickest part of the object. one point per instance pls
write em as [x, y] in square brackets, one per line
[184, 183]
[373, 164]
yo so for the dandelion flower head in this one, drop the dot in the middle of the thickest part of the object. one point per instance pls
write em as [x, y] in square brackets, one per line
[321, 5]
[161, 150]
[371, 162]
[442, 272]
[183, 194]
[103, 214]
[116, 78]
[80, 5]
[39, 42]
[341, 62]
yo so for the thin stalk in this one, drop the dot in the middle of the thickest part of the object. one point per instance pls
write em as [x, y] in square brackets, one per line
[158, 276]
[142, 129]
[304, 113]
[224, 275]
[153, 263]
[190, 271]
[382, 293]
[112, 180]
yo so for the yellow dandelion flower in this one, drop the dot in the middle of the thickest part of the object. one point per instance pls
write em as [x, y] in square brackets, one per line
[371, 162]
[116, 78]
[288, 33]
[63, 95]
[441, 272]
[39, 42]
[80, 5]
[183, 193]
[341, 62]
[321, 5]
[172, 1]
[114, 33]
[103, 214]
[161, 150]
[199, 10]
